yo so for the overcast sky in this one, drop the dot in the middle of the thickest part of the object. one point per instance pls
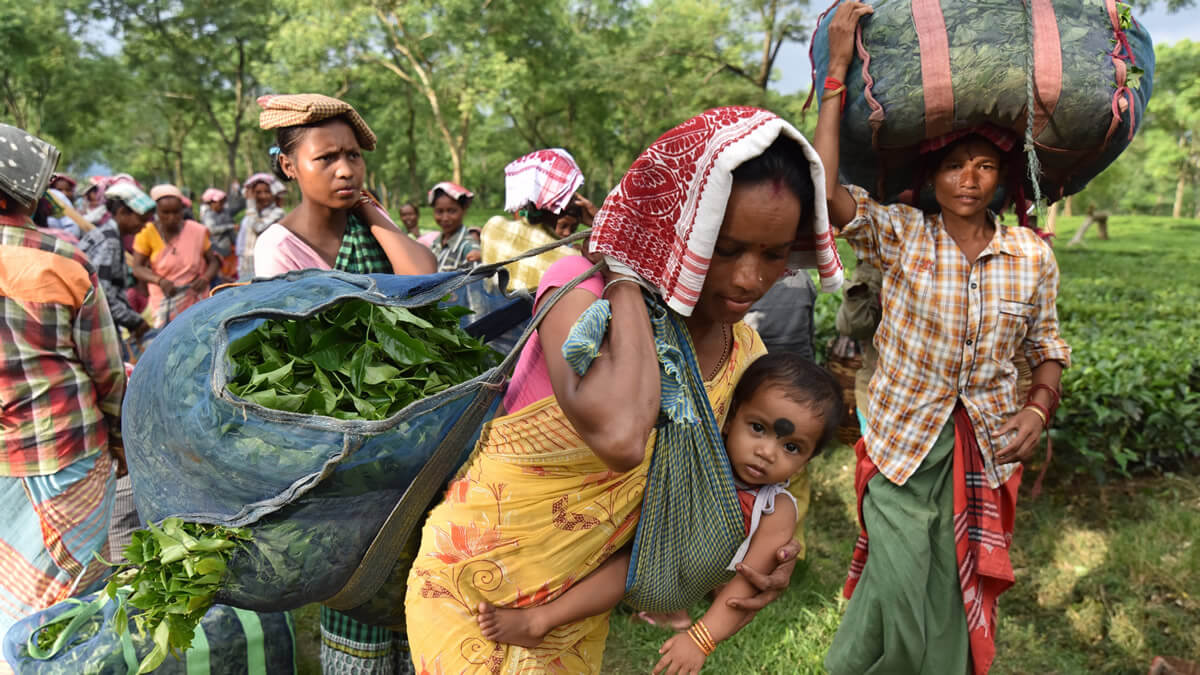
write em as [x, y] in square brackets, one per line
[793, 68]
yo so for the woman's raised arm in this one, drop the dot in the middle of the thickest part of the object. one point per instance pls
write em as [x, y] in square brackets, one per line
[825, 138]
[406, 255]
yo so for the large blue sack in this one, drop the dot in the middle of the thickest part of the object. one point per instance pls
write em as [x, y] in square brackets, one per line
[334, 506]
[227, 641]
[926, 69]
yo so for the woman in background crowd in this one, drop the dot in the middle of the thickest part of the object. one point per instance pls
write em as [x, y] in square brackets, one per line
[222, 231]
[174, 257]
[261, 213]
[456, 247]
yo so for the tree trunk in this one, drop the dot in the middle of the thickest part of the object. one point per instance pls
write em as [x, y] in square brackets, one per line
[1067, 207]
[414, 186]
[1180, 186]
[764, 73]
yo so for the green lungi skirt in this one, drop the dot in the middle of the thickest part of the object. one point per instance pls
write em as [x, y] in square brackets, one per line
[906, 614]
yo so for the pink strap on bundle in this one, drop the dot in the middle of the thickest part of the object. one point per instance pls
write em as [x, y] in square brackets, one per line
[1047, 63]
[935, 67]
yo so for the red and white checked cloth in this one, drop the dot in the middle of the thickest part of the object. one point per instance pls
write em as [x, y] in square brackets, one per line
[453, 190]
[547, 179]
[663, 219]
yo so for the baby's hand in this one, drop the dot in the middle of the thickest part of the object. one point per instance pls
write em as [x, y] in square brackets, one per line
[681, 656]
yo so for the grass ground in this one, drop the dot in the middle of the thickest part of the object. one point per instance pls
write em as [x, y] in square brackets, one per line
[1108, 576]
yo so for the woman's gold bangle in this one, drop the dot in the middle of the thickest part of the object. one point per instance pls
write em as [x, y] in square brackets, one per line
[1039, 413]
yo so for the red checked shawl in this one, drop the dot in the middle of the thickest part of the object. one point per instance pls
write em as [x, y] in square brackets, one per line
[547, 179]
[662, 220]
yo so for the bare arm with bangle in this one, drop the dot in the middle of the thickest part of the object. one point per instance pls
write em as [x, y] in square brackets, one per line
[614, 405]
[825, 137]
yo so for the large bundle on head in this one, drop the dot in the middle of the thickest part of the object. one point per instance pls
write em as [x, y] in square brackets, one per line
[213, 440]
[1071, 77]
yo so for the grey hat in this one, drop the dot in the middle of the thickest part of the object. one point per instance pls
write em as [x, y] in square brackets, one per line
[26, 164]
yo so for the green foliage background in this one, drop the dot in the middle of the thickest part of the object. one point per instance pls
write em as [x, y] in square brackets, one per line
[165, 89]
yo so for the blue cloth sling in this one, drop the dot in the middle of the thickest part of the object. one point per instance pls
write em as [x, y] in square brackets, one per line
[691, 523]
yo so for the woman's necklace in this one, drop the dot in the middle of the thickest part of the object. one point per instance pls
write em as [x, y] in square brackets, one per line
[724, 353]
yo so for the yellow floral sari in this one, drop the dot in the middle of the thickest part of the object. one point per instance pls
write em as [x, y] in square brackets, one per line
[533, 512]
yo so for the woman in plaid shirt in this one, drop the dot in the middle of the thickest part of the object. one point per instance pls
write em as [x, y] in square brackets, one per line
[946, 433]
[61, 383]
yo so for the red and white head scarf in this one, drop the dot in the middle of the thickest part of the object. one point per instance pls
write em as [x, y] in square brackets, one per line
[260, 177]
[663, 219]
[453, 191]
[547, 179]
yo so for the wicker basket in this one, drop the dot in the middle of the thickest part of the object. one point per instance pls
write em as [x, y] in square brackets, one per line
[845, 359]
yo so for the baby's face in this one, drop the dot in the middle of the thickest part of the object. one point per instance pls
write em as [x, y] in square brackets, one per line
[771, 437]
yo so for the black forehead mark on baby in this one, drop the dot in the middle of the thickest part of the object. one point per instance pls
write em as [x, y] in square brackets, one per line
[783, 427]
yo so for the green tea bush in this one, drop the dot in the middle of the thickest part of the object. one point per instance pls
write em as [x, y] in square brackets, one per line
[1132, 397]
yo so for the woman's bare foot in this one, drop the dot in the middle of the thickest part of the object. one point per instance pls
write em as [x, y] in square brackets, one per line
[519, 627]
[676, 621]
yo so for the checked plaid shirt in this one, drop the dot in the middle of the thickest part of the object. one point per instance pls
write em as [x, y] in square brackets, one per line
[61, 379]
[103, 249]
[504, 239]
[950, 331]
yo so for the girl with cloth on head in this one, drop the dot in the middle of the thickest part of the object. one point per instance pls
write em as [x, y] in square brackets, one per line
[336, 226]
[261, 212]
[92, 205]
[456, 247]
[555, 485]
[173, 256]
[61, 383]
[319, 144]
[539, 189]
[222, 231]
[940, 462]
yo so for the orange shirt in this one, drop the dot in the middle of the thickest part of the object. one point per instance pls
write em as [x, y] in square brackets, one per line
[149, 242]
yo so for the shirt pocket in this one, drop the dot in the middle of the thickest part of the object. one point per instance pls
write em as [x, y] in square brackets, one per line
[1012, 324]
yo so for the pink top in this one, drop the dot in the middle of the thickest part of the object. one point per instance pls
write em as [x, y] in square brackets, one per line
[531, 380]
[278, 250]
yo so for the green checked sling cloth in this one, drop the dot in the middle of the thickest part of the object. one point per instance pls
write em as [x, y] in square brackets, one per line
[691, 524]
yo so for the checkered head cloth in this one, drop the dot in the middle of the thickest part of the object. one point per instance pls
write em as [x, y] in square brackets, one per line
[289, 110]
[547, 179]
[663, 219]
[134, 198]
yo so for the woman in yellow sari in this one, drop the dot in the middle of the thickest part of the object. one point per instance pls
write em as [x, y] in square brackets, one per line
[709, 217]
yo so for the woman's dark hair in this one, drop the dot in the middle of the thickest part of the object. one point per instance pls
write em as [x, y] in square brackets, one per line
[287, 139]
[42, 212]
[8, 205]
[411, 204]
[114, 205]
[800, 380]
[784, 162]
[463, 201]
